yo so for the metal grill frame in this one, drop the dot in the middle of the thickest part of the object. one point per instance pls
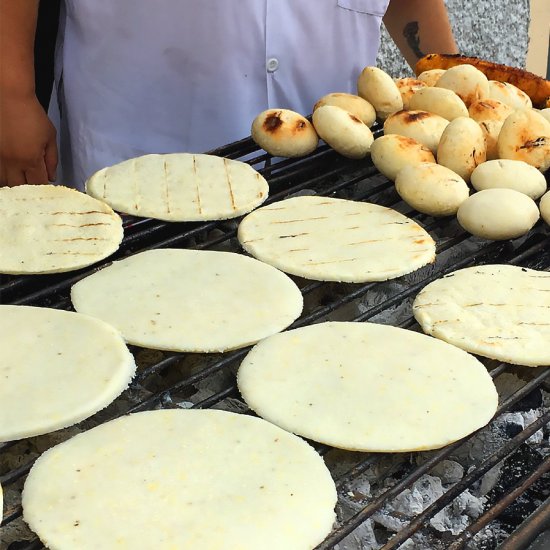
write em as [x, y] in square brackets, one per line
[326, 173]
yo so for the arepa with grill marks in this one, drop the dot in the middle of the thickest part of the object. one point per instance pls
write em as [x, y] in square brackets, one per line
[52, 229]
[180, 187]
[328, 239]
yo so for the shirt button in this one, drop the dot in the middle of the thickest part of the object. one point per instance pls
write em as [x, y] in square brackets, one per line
[272, 65]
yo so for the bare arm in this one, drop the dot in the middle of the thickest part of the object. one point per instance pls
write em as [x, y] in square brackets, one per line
[419, 27]
[28, 152]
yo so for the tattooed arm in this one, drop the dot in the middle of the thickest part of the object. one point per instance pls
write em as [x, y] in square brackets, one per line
[419, 27]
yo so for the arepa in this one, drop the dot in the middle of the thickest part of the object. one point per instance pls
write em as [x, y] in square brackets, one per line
[497, 311]
[328, 239]
[175, 479]
[180, 187]
[190, 300]
[52, 229]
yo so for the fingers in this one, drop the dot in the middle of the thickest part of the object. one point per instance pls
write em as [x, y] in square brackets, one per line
[37, 174]
[14, 177]
[42, 172]
[50, 159]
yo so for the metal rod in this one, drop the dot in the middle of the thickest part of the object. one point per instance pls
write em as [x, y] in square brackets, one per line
[500, 506]
[466, 482]
[528, 531]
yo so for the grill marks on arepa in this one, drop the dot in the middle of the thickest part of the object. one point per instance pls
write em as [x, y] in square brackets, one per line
[497, 311]
[50, 229]
[334, 239]
[180, 187]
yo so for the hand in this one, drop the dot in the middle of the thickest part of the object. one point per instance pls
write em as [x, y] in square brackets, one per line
[28, 149]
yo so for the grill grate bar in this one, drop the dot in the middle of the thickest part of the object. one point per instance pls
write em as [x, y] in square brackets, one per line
[358, 469]
[16, 473]
[468, 480]
[216, 398]
[529, 529]
[12, 514]
[360, 517]
[501, 505]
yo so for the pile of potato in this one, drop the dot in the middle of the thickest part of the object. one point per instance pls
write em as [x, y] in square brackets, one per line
[444, 131]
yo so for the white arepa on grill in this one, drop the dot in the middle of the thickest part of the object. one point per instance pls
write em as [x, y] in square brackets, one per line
[367, 387]
[190, 300]
[329, 239]
[180, 187]
[497, 311]
[201, 479]
[51, 229]
[57, 368]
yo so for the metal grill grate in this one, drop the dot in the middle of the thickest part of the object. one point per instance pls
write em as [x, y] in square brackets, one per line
[171, 379]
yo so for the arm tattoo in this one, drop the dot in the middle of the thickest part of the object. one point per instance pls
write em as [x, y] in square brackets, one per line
[410, 32]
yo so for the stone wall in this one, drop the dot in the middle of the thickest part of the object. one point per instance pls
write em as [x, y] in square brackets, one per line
[492, 29]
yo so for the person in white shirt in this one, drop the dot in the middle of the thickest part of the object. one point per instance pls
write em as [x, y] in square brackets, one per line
[136, 76]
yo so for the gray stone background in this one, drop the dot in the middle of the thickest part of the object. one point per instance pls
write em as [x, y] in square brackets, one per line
[496, 30]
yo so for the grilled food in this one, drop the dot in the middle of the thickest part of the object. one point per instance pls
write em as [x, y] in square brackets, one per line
[498, 214]
[509, 174]
[438, 101]
[431, 188]
[536, 87]
[51, 229]
[168, 479]
[497, 311]
[467, 82]
[490, 114]
[392, 152]
[422, 126]
[284, 133]
[190, 300]
[58, 368]
[329, 239]
[367, 387]
[379, 89]
[343, 131]
[525, 135]
[180, 187]
[353, 104]
[462, 147]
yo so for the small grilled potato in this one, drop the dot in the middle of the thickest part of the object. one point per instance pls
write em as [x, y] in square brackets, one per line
[408, 87]
[509, 94]
[354, 104]
[392, 152]
[490, 114]
[344, 132]
[467, 82]
[421, 126]
[379, 89]
[525, 135]
[431, 76]
[431, 189]
[284, 133]
[439, 101]
[509, 174]
[498, 214]
[462, 147]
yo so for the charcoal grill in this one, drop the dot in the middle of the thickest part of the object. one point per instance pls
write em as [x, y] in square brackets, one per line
[160, 384]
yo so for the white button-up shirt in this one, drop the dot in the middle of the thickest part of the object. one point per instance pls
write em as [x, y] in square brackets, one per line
[143, 76]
